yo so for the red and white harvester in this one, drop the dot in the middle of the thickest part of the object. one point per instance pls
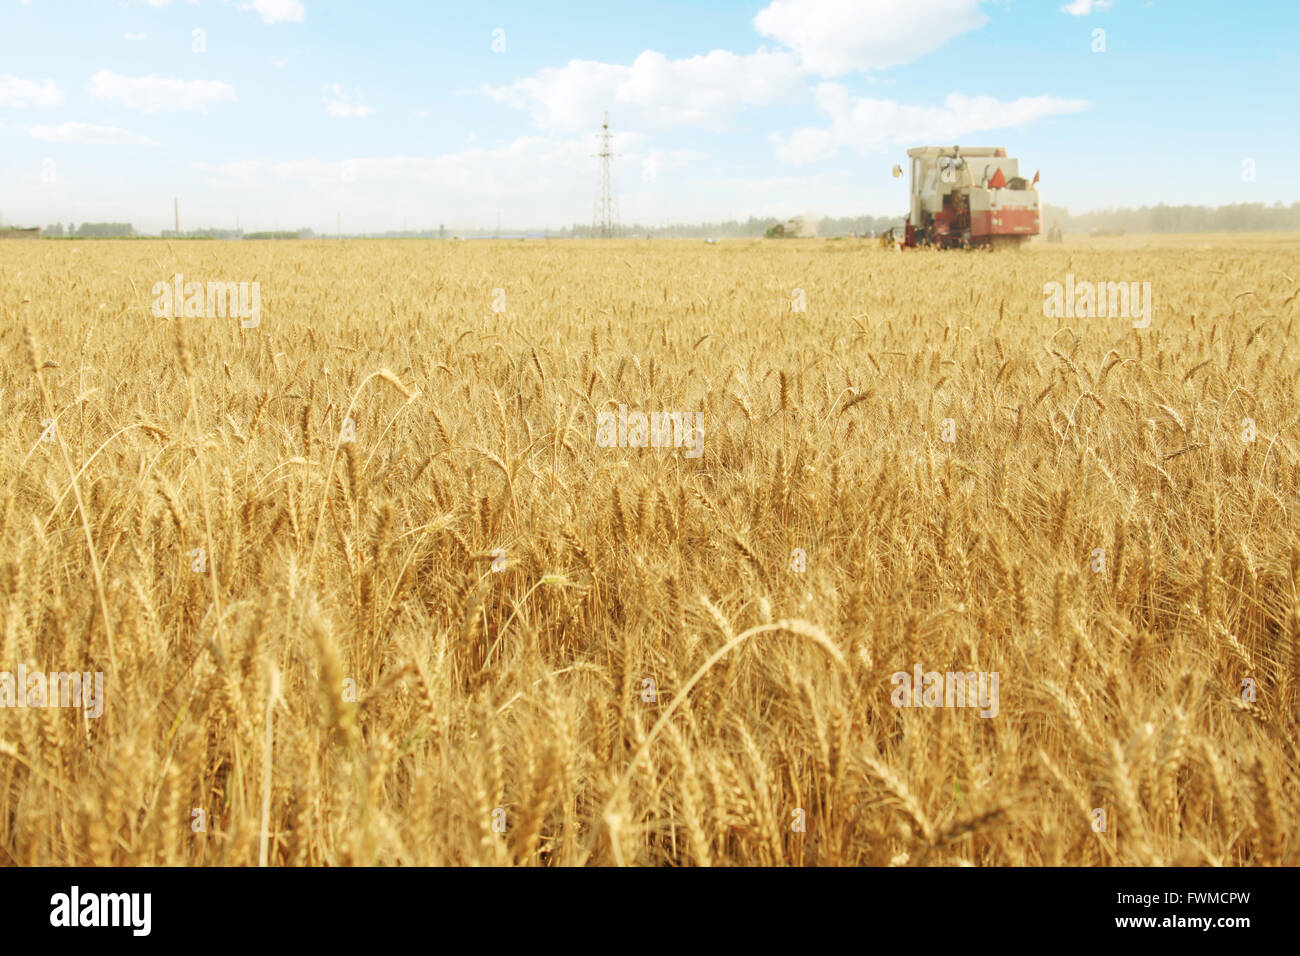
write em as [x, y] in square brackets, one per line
[969, 197]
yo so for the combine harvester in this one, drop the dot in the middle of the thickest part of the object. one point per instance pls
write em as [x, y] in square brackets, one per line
[969, 199]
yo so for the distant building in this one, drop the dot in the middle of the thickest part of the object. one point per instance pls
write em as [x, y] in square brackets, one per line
[14, 233]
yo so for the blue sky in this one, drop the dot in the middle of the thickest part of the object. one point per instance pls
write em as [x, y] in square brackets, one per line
[290, 112]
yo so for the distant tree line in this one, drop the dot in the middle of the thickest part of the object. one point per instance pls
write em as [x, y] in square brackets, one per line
[119, 230]
[203, 234]
[752, 228]
[90, 230]
[281, 234]
[1238, 217]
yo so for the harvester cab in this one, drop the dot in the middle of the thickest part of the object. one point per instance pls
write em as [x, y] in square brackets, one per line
[972, 197]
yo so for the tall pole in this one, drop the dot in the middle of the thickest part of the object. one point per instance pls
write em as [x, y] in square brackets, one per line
[176, 211]
[604, 225]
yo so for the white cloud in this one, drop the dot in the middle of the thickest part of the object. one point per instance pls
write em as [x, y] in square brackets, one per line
[1081, 8]
[135, 36]
[653, 91]
[348, 110]
[834, 37]
[527, 166]
[658, 161]
[867, 124]
[158, 4]
[17, 92]
[157, 94]
[279, 63]
[530, 181]
[534, 181]
[806, 145]
[277, 11]
[337, 103]
[87, 133]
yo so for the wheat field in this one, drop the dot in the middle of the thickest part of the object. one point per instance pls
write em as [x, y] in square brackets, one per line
[473, 634]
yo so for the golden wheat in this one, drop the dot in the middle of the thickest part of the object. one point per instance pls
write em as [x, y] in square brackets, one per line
[475, 635]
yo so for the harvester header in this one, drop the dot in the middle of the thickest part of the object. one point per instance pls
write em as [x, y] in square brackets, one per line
[964, 196]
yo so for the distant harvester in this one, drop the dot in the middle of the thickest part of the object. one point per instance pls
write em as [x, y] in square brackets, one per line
[962, 197]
